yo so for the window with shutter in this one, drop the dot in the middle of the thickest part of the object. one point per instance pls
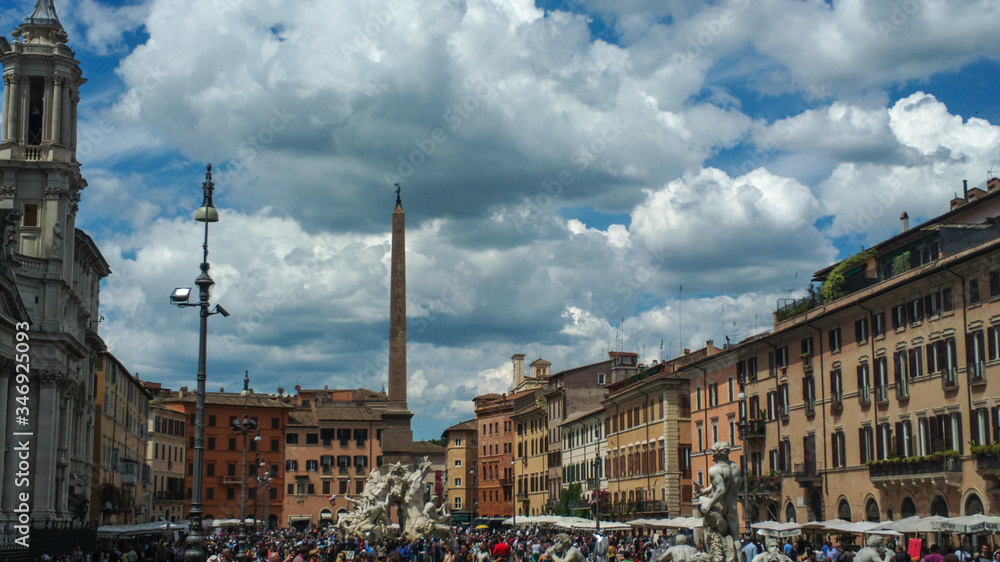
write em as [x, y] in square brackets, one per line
[863, 449]
[861, 330]
[975, 429]
[900, 447]
[934, 428]
[996, 424]
[880, 444]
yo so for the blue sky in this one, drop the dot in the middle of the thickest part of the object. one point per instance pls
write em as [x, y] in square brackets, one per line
[565, 165]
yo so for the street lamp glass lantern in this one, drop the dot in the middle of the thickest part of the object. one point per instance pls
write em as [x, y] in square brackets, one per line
[206, 213]
[741, 396]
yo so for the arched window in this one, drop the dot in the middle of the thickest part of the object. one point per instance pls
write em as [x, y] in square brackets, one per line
[844, 510]
[871, 511]
[939, 506]
[974, 505]
[790, 513]
[908, 508]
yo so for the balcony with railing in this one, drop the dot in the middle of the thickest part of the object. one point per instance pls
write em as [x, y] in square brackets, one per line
[935, 469]
[768, 485]
[805, 473]
[837, 401]
[976, 372]
[902, 389]
[169, 496]
[949, 378]
[129, 470]
[864, 396]
[756, 429]
[882, 394]
[988, 459]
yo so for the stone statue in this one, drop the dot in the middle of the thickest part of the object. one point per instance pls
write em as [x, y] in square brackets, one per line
[773, 553]
[9, 221]
[680, 552]
[717, 502]
[562, 550]
[396, 485]
[874, 551]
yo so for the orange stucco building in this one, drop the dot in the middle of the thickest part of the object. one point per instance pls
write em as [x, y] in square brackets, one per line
[223, 457]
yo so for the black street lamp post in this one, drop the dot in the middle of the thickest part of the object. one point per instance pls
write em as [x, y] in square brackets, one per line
[596, 487]
[246, 426]
[744, 431]
[195, 544]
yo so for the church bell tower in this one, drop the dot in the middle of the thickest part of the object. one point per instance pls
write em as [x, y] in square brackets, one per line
[55, 268]
[39, 173]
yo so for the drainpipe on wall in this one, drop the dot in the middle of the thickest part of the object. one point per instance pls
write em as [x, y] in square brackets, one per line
[965, 330]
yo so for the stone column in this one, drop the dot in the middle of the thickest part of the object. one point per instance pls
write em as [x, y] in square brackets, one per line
[5, 134]
[74, 96]
[47, 104]
[57, 104]
[14, 109]
[46, 446]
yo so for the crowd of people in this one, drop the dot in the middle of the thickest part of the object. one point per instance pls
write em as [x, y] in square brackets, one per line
[505, 545]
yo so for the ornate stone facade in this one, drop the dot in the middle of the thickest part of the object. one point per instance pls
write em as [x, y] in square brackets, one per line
[55, 271]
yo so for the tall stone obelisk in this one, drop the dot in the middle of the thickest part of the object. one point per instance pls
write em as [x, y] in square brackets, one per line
[397, 437]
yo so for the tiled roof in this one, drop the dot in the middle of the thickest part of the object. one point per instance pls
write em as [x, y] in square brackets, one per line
[346, 412]
[232, 399]
[464, 426]
[581, 415]
[425, 448]
[366, 394]
[302, 417]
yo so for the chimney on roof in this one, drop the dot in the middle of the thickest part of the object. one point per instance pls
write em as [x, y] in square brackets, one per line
[992, 184]
[965, 190]
[686, 351]
[904, 222]
[222, 389]
[518, 361]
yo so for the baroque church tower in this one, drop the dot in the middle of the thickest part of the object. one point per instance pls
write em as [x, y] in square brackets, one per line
[55, 269]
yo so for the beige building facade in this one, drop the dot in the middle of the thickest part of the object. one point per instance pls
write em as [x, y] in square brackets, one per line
[166, 454]
[121, 491]
[531, 469]
[461, 456]
[647, 424]
[881, 401]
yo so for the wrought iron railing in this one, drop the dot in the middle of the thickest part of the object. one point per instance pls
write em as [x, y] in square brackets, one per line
[913, 466]
[987, 461]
